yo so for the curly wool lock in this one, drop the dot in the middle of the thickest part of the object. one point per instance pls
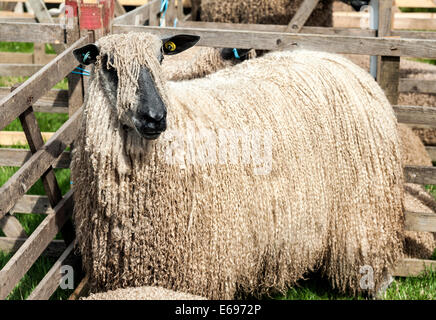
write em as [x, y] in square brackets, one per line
[217, 230]
[264, 11]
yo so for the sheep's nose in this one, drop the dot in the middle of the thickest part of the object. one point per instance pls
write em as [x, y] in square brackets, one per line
[154, 114]
[150, 128]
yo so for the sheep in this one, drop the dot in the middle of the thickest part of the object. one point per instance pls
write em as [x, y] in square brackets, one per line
[419, 245]
[318, 184]
[267, 11]
[200, 62]
[209, 60]
[263, 11]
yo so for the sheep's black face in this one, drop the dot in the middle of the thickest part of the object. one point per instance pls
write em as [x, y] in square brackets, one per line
[151, 113]
[109, 81]
[148, 116]
[143, 109]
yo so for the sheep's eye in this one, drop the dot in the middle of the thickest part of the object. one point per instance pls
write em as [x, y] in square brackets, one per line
[170, 46]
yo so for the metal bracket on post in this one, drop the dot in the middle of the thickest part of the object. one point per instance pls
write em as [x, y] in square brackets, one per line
[373, 24]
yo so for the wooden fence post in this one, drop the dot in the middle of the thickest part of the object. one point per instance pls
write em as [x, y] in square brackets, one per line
[303, 13]
[75, 81]
[51, 187]
[388, 75]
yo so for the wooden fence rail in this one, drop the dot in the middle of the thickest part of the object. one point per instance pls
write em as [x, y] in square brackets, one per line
[38, 163]
[32, 32]
[31, 90]
[141, 14]
[282, 41]
[33, 247]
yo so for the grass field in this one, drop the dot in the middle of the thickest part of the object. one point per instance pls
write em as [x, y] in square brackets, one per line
[423, 287]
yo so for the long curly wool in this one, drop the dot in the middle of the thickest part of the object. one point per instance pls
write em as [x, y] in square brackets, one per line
[264, 11]
[199, 62]
[332, 200]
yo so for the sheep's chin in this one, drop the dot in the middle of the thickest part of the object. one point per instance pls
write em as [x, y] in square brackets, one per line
[151, 137]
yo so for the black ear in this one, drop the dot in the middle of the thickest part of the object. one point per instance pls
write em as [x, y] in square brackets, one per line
[238, 54]
[87, 54]
[178, 43]
[356, 4]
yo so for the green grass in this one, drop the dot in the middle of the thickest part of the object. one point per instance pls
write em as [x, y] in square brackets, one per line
[30, 222]
[24, 47]
[419, 288]
[402, 9]
[48, 122]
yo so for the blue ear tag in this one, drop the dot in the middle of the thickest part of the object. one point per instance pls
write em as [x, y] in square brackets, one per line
[85, 56]
[83, 72]
[236, 54]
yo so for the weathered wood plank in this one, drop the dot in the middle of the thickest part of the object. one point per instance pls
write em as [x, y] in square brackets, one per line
[413, 267]
[137, 16]
[31, 32]
[171, 13]
[76, 90]
[300, 17]
[12, 227]
[34, 168]
[9, 138]
[16, 58]
[418, 86]
[430, 35]
[388, 76]
[18, 70]
[51, 280]
[18, 157]
[54, 101]
[58, 98]
[32, 204]
[276, 28]
[418, 221]
[415, 3]
[431, 152]
[43, 16]
[402, 20]
[388, 67]
[420, 174]
[27, 254]
[31, 90]
[48, 178]
[280, 41]
[416, 115]
[11, 245]
[81, 290]
[119, 9]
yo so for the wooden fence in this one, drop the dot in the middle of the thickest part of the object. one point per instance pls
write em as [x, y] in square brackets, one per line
[37, 94]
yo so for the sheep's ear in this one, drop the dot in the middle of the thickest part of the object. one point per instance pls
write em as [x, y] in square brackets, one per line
[178, 43]
[238, 54]
[87, 54]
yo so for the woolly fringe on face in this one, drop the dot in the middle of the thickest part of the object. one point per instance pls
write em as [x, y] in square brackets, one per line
[332, 200]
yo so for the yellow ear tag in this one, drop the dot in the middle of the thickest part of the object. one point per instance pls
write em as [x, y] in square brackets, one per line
[170, 46]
